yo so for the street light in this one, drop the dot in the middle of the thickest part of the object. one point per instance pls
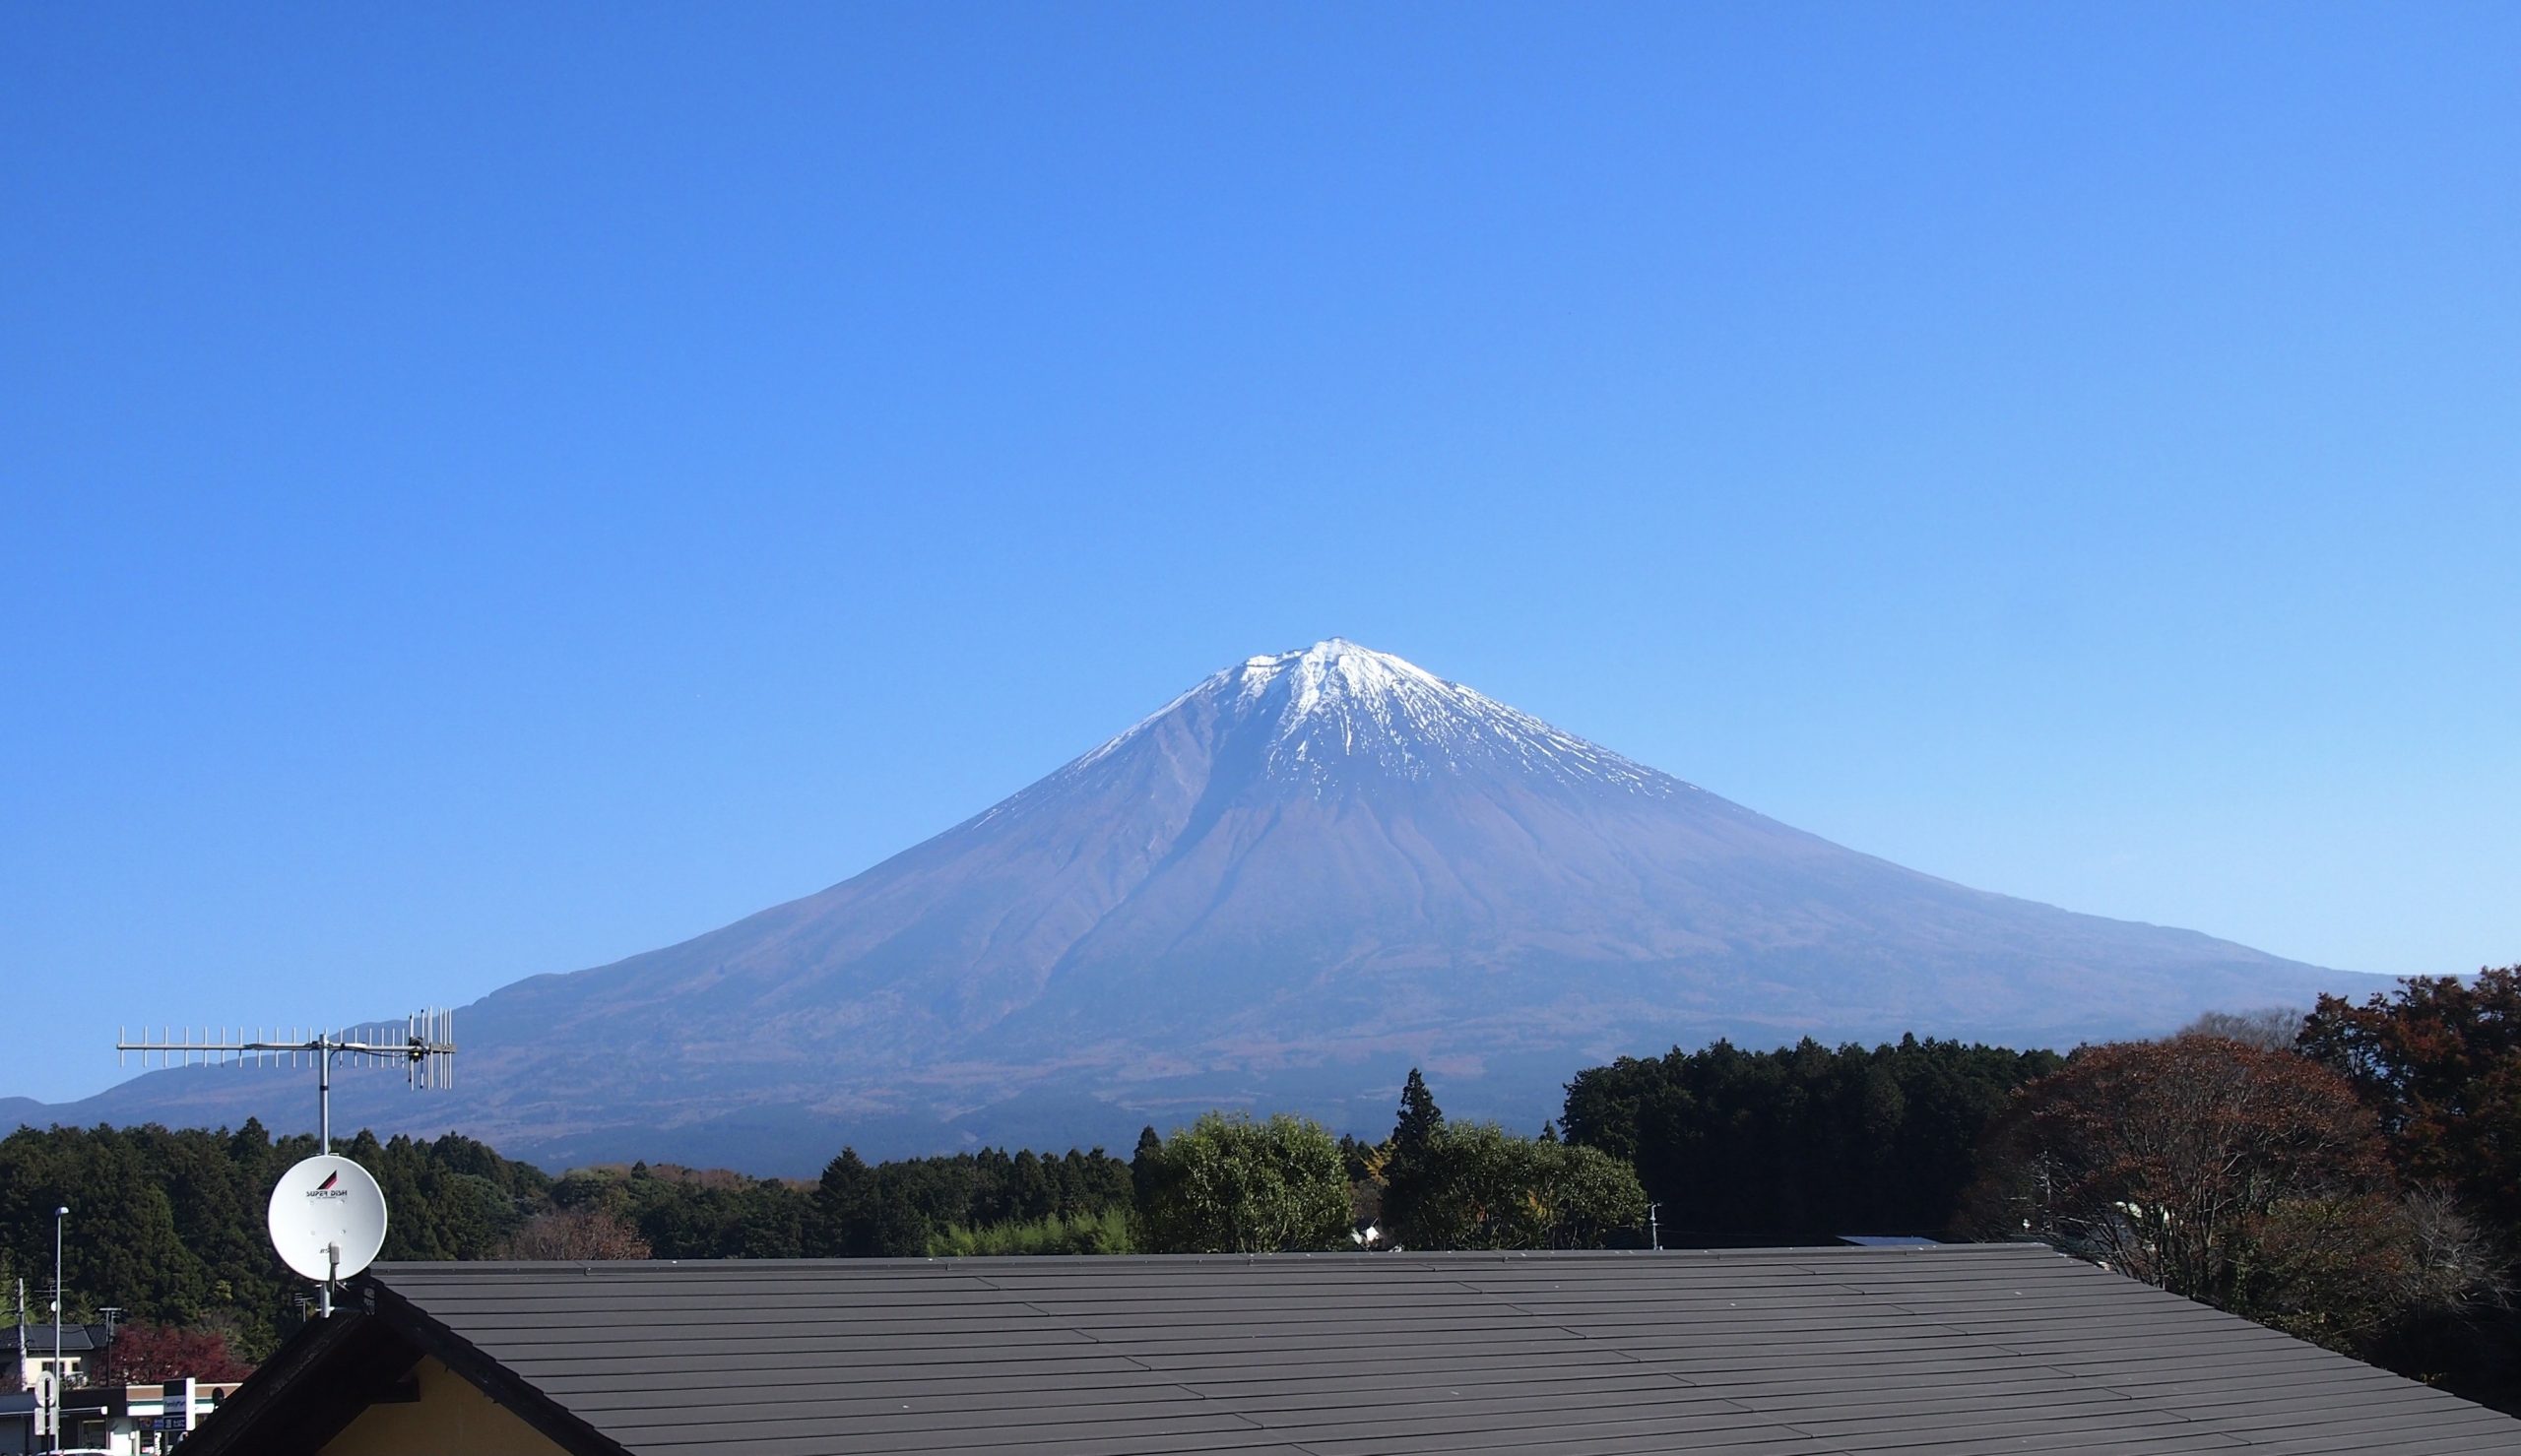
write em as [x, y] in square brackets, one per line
[58, 1215]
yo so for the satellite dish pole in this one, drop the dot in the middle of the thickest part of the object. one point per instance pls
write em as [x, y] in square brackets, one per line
[426, 1047]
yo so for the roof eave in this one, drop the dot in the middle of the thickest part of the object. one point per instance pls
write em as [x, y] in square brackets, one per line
[315, 1384]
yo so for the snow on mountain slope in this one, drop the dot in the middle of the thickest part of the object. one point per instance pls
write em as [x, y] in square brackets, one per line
[1300, 877]
[1339, 715]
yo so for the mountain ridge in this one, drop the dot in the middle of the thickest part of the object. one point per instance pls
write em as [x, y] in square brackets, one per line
[1301, 875]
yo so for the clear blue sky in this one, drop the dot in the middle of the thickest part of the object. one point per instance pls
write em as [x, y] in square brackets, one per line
[492, 489]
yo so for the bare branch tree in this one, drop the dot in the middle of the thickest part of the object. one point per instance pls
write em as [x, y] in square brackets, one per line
[575, 1234]
[2269, 1028]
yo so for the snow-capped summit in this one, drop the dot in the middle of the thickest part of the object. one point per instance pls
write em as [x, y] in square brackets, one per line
[1339, 715]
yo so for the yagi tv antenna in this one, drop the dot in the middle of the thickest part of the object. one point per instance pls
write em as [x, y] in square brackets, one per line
[425, 1048]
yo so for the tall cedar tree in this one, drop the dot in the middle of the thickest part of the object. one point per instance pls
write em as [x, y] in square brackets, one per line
[1143, 1161]
[1419, 1117]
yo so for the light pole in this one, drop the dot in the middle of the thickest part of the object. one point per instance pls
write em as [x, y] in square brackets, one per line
[58, 1215]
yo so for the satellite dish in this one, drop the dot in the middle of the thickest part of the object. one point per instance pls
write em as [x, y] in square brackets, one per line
[327, 1218]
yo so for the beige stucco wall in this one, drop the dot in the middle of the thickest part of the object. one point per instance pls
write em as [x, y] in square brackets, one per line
[452, 1418]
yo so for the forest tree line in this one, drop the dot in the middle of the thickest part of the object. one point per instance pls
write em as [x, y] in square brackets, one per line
[167, 1225]
[2349, 1177]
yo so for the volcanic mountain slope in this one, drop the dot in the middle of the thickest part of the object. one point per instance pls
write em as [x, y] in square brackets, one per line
[1305, 874]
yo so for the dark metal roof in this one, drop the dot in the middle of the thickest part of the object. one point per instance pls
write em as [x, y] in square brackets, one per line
[36, 1338]
[1956, 1351]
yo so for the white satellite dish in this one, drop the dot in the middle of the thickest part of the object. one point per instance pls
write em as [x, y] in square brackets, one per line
[327, 1218]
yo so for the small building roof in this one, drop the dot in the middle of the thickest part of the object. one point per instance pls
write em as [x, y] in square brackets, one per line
[36, 1338]
[1946, 1350]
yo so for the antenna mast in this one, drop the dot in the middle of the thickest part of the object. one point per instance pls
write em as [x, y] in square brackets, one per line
[426, 1047]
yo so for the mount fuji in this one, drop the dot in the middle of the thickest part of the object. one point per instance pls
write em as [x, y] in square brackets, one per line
[1301, 878]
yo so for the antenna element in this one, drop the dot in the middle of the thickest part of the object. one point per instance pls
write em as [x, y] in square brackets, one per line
[426, 1047]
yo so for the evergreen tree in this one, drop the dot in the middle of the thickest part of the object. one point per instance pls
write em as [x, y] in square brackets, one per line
[841, 1207]
[1419, 1117]
[1803, 1143]
[1142, 1166]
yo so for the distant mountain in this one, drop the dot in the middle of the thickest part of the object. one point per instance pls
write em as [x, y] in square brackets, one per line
[1293, 882]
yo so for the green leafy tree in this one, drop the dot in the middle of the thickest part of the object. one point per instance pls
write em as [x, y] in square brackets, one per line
[1228, 1184]
[1106, 1233]
[772, 1220]
[901, 1209]
[1477, 1186]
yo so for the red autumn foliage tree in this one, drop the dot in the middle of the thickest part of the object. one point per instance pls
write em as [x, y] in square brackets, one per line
[151, 1354]
[2440, 1061]
[2247, 1178]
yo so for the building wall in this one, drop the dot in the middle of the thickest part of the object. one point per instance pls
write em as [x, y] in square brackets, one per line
[38, 1361]
[452, 1415]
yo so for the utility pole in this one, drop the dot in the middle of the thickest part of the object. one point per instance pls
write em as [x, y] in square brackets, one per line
[58, 1215]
